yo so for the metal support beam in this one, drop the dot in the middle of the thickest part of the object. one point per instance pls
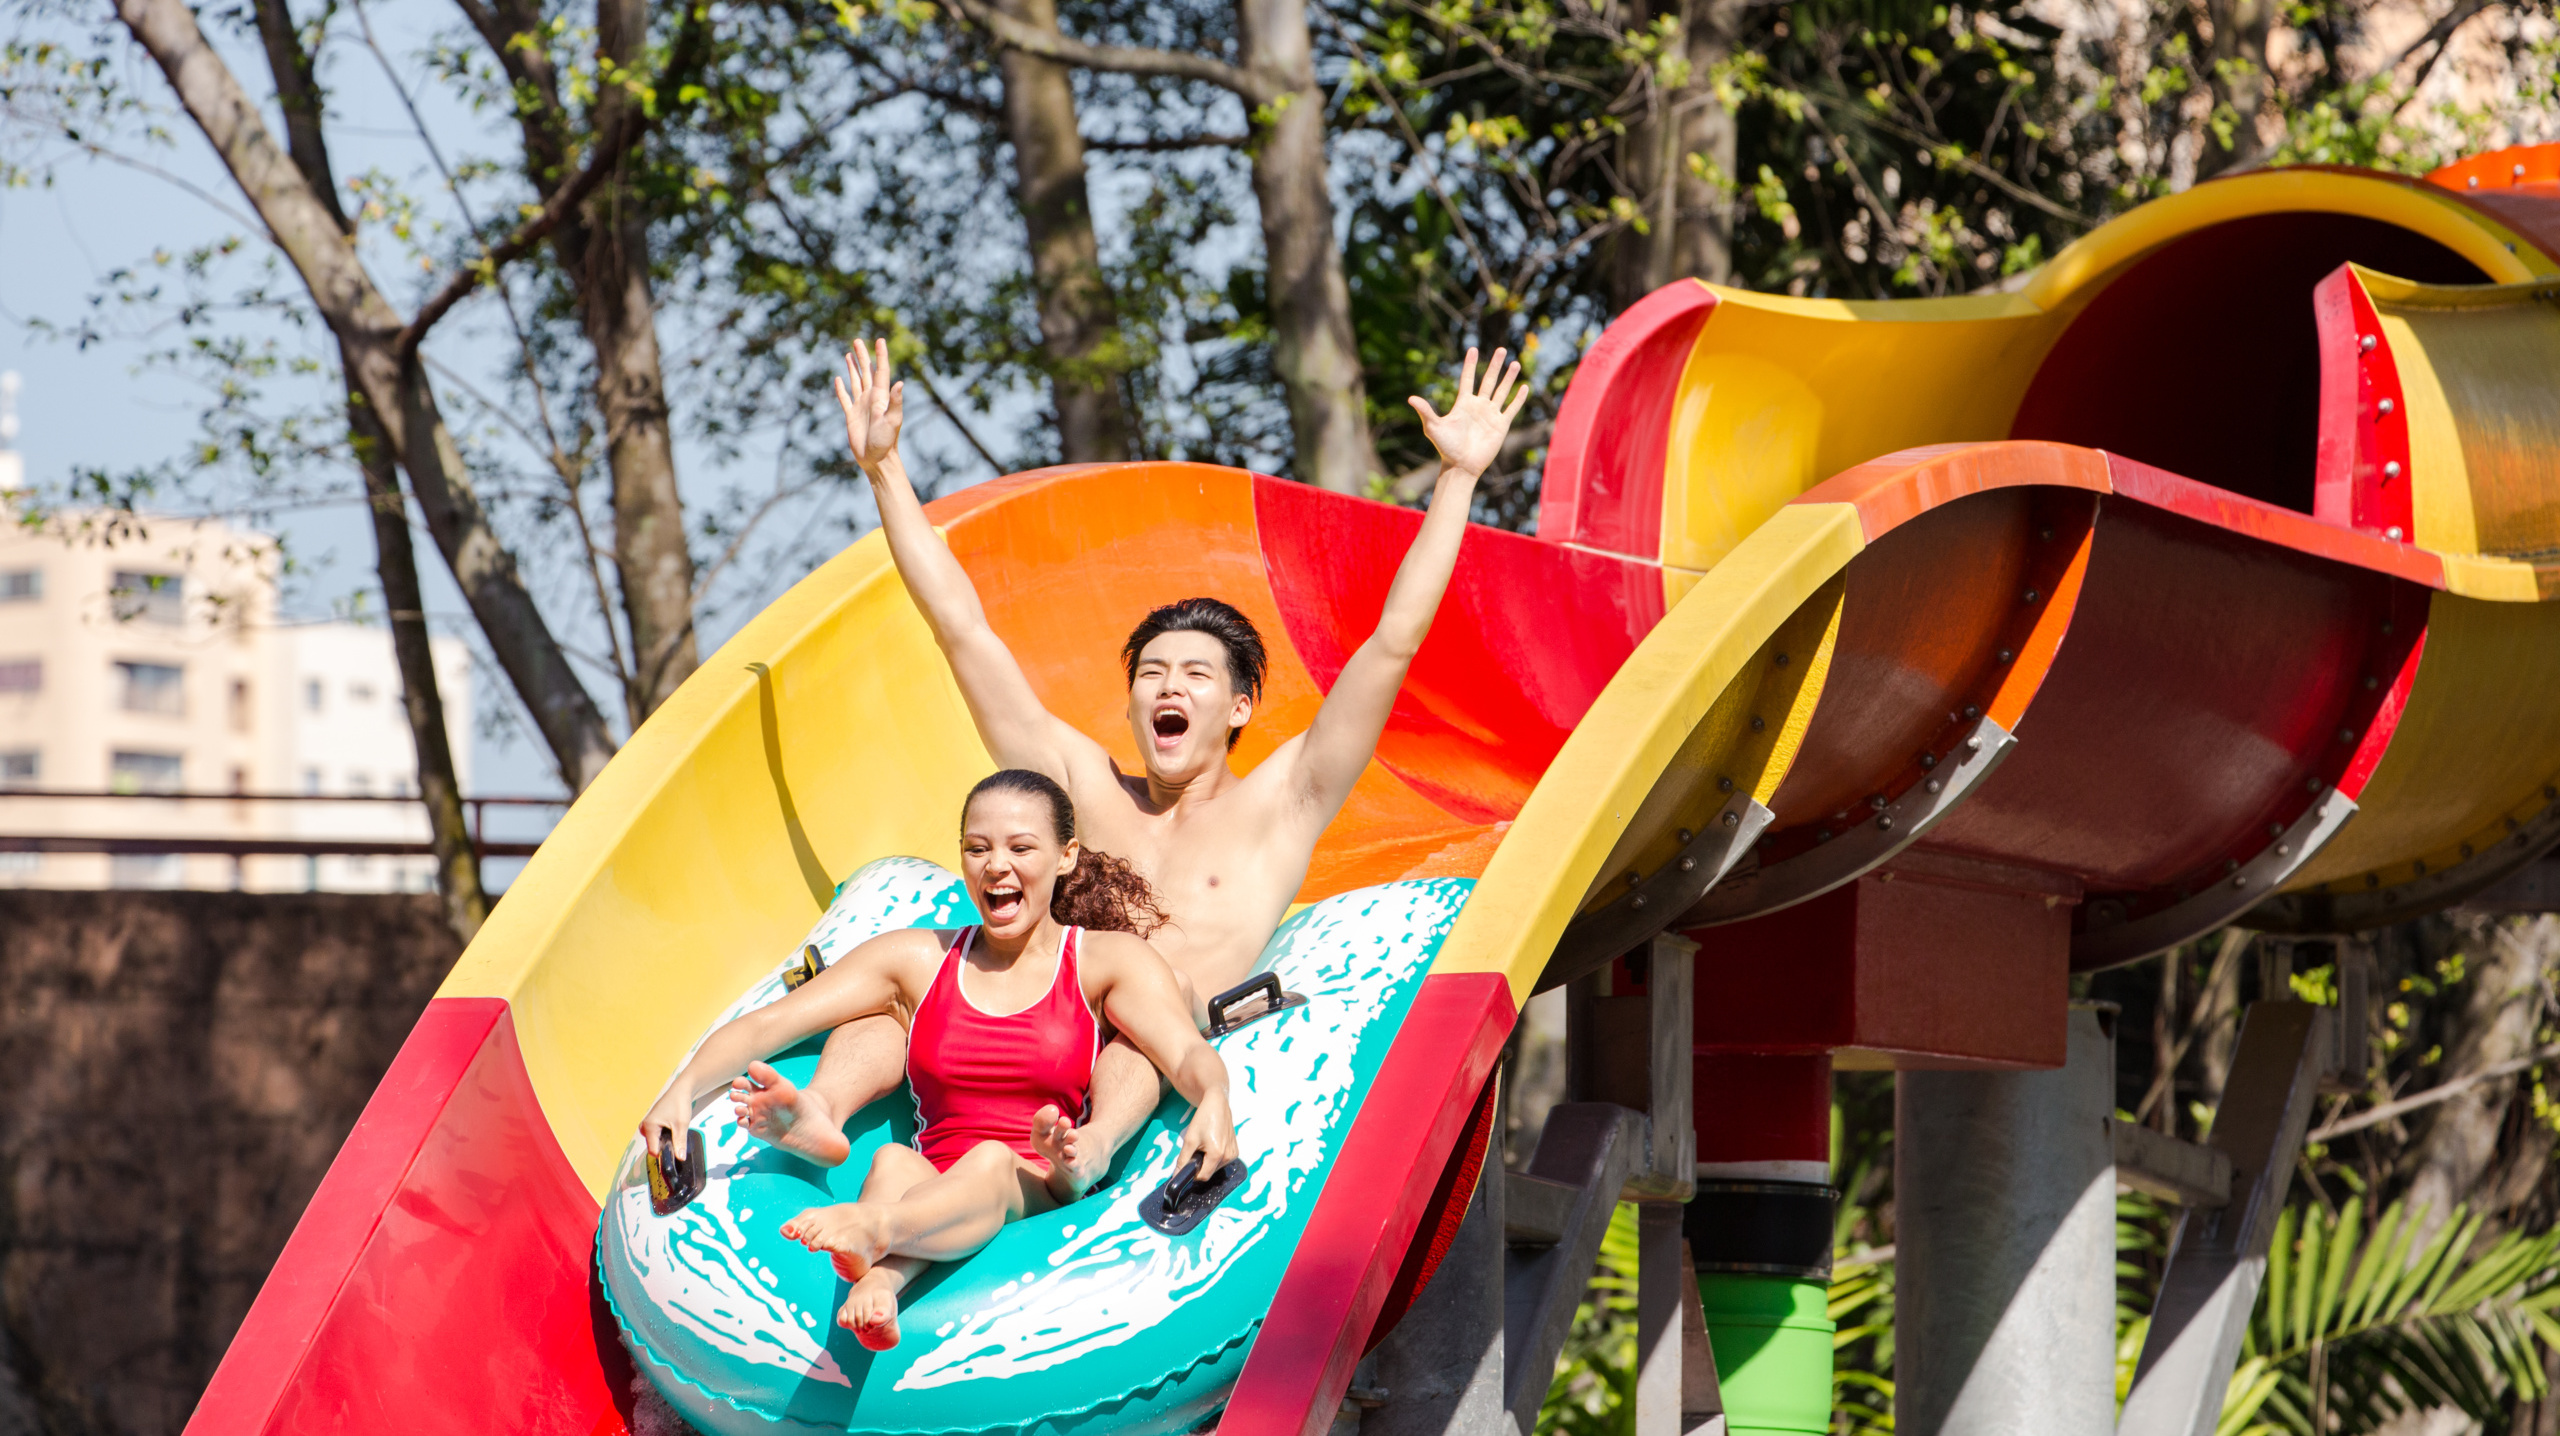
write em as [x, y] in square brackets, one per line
[1593, 1147]
[2218, 1258]
[2005, 1227]
[1670, 1172]
[1440, 1372]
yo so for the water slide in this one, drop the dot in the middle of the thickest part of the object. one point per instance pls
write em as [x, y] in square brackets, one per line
[2202, 577]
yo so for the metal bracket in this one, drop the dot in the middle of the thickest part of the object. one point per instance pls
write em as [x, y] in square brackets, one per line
[2183, 1172]
[2216, 906]
[2372, 907]
[1864, 845]
[1654, 903]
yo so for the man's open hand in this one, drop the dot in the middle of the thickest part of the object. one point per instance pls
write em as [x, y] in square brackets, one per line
[873, 407]
[1469, 436]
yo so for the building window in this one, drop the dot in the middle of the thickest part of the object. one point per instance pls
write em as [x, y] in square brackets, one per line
[311, 694]
[239, 780]
[359, 785]
[20, 769]
[21, 585]
[311, 782]
[148, 597]
[152, 688]
[145, 870]
[146, 772]
[240, 705]
[21, 675]
[359, 692]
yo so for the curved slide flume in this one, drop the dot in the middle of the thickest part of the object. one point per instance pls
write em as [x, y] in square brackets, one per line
[2019, 607]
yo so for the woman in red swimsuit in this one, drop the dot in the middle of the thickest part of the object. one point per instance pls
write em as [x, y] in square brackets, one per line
[1003, 1025]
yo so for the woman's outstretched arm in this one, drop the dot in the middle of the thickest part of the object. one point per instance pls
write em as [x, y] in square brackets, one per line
[1144, 1001]
[869, 979]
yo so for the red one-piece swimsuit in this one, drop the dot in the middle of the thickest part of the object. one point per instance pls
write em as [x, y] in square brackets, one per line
[979, 1077]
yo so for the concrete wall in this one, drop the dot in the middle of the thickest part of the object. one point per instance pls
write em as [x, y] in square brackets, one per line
[179, 1069]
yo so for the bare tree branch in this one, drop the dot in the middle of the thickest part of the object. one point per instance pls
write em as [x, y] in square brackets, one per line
[1119, 59]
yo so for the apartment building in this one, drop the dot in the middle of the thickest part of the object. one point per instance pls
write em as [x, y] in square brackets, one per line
[145, 656]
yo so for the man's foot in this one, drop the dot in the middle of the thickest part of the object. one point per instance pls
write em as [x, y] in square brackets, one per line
[798, 1121]
[870, 1310]
[1076, 1158]
[848, 1232]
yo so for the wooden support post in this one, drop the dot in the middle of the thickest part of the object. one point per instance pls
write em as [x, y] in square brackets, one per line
[2218, 1258]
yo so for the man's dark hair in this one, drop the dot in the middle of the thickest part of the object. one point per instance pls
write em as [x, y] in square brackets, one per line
[1234, 632]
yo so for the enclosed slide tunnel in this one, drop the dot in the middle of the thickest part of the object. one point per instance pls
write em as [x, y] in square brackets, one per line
[2204, 576]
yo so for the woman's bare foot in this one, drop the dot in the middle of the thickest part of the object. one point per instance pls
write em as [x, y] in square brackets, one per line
[1076, 1158]
[870, 1310]
[849, 1232]
[792, 1118]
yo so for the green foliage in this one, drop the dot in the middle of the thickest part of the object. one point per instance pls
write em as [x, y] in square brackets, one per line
[2364, 1325]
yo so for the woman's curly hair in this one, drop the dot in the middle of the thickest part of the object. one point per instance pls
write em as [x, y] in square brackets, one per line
[1100, 892]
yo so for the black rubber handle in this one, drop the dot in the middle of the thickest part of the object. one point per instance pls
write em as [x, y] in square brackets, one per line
[1218, 1005]
[1184, 1182]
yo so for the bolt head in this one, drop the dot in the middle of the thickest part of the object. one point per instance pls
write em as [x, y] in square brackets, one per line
[2346, 735]
[1782, 660]
[2393, 533]
[2239, 882]
[1724, 785]
[1757, 723]
[1688, 865]
[1885, 823]
[1733, 820]
[1637, 901]
[2384, 407]
[2006, 656]
[1876, 801]
[2284, 850]
[1928, 761]
[2364, 344]
[2391, 470]
[2028, 597]
[1685, 837]
[1971, 711]
[1936, 786]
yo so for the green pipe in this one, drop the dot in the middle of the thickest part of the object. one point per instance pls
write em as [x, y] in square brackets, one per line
[1772, 1339]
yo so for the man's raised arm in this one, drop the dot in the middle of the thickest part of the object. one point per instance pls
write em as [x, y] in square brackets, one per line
[1469, 437]
[1011, 721]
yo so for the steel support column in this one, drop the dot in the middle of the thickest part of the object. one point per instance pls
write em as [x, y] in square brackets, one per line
[2004, 1191]
[1439, 1373]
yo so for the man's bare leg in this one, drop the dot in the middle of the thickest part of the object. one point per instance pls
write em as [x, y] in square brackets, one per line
[863, 1060]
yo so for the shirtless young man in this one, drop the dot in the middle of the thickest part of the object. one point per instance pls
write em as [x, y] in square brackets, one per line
[1225, 852]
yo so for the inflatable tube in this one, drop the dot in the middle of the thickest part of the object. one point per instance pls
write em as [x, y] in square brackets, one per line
[1081, 1319]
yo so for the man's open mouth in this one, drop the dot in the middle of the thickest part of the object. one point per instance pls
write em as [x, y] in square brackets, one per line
[1172, 723]
[1002, 904]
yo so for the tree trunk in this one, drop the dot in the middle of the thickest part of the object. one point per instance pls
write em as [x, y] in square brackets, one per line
[1688, 215]
[2236, 63]
[1080, 338]
[604, 250]
[1313, 346]
[2500, 1010]
[368, 330]
[466, 904]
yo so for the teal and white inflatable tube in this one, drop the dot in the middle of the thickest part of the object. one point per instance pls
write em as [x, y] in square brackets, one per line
[1084, 1319]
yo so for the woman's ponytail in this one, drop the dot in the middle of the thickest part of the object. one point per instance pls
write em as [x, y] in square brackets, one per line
[1100, 892]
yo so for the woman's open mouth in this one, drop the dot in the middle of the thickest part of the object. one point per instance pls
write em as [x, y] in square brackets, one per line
[1001, 905]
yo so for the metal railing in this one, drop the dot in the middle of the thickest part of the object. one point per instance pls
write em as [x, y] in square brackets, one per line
[159, 845]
